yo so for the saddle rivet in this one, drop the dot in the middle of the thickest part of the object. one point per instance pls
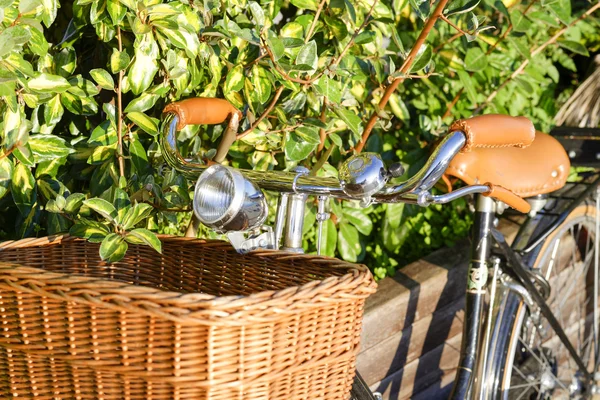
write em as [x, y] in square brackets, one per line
[554, 174]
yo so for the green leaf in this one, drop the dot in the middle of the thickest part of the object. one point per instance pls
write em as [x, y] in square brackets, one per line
[48, 147]
[422, 58]
[575, 47]
[393, 214]
[520, 23]
[520, 44]
[461, 7]
[74, 202]
[136, 214]
[329, 238]
[337, 26]
[348, 242]
[545, 18]
[235, 80]
[365, 37]
[139, 158]
[352, 120]
[119, 60]
[103, 78]
[298, 149]
[25, 155]
[116, 10]
[360, 221]
[467, 83]
[306, 4]
[113, 248]
[93, 231]
[146, 237]
[103, 208]
[148, 125]
[276, 45]
[257, 13]
[329, 88]
[53, 111]
[23, 189]
[422, 8]
[475, 59]
[6, 171]
[145, 102]
[261, 84]
[26, 6]
[308, 55]
[560, 8]
[309, 134]
[142, 71]
[48, 83]
[11, 37]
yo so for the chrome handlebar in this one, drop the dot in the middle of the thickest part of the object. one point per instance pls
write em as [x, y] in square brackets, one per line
[414, 190]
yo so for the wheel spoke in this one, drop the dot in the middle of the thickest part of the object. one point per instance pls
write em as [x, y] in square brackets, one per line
[565, 264]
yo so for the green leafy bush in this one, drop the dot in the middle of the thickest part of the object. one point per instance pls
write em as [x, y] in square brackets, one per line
[83, 84]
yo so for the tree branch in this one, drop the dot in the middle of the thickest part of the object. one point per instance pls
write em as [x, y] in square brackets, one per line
[535, 52]
[322, 131]
[264, 114]
[314, 21]
[120, 113]
[404, 69]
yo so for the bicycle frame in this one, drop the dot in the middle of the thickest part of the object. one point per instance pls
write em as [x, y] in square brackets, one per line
[472, 370]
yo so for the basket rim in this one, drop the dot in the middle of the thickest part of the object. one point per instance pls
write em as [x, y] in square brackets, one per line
[357, 284]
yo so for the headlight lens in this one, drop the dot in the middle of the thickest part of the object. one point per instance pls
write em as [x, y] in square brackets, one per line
[226, 201]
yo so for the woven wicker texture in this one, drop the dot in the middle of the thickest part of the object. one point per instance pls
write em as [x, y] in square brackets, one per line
[199, 321]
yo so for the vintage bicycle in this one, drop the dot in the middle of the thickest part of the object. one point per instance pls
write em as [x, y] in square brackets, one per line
[531, 312]
[258, 319]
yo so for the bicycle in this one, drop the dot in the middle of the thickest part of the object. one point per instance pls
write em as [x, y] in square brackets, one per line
[516, 340]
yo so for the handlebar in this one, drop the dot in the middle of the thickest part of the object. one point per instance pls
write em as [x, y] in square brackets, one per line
[288, 182]
[485, 131]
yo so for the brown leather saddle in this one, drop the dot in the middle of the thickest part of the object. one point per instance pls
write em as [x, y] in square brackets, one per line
[511, 154]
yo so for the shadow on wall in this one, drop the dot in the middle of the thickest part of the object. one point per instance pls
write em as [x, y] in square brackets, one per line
[422, 321]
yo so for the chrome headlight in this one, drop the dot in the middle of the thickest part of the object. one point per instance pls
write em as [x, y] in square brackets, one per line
[226, 201]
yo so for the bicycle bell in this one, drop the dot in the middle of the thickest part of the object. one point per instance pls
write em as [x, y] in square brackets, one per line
[363, 175]
[226, 201]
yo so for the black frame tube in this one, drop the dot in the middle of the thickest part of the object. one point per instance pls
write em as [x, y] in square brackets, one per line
[474, 305]
[520, 270]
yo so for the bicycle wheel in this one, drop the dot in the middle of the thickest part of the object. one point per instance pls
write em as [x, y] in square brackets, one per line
[528, 361]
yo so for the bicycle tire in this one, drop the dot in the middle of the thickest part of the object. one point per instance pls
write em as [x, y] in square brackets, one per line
[513, 313]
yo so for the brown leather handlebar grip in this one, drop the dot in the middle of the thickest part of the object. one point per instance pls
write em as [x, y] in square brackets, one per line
[202, 111]
[495, 131]
[506, 196]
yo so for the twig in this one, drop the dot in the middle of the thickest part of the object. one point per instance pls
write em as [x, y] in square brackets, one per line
[8, 152]
[285, 74]
[404, 69]
[535, 52]
[120, 113]
[314, 22]
[322, 160]
[264, 114]
[452, 39]
[322, 131]
[334, 62]
[452, 24]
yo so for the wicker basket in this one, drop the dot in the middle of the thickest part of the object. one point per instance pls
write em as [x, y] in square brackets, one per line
[199, 321]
